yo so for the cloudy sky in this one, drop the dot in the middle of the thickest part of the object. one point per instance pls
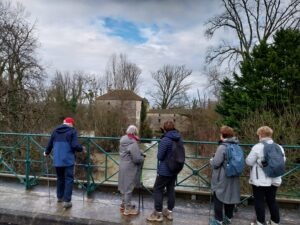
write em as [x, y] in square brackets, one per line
[83, 34]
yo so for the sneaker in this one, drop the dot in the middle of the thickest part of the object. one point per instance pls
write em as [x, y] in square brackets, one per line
[67, 205]
[215, 222]
[256, 223]
[130, 211]
[60, 200]
[122, 207]
[270, 222]
[167, 213]
[226, 220]
[155, 216]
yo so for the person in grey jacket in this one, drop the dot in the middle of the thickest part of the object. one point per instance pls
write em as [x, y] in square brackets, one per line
[131, 160]
[264, 187]
[226, 190]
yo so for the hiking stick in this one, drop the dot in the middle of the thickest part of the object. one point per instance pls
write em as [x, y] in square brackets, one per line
[141, 186]
[47, 171]
[210, 205]
[80, 185]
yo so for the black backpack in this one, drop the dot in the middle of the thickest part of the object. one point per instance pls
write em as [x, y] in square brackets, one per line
[176, 157]
[273, 163]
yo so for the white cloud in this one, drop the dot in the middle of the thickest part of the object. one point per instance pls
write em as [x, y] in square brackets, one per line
[72, 36]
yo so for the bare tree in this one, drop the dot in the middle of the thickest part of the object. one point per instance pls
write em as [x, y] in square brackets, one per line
[20, 72]
[69, 92]
[251, 21]
[171, 85]
[214, 77]
[122, 74]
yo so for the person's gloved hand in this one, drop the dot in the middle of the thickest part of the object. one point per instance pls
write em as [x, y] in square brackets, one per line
[84, 150]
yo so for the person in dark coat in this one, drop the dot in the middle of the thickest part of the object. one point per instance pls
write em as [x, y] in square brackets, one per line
[226, 190]
[131, 160]
[165, 178]
[64, 143]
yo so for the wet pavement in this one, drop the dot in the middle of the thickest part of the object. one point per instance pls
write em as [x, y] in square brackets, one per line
[38, 206]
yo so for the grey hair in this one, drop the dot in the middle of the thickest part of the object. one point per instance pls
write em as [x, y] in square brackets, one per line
[132, 130]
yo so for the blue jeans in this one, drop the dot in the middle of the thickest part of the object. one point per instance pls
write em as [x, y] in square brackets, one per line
[64, 184]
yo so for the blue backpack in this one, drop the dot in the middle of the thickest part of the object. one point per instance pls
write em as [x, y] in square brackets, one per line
[235, 160]
[273, 164]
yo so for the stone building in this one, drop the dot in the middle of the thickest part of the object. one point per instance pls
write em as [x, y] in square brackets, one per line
[126, 101]
[181, 118]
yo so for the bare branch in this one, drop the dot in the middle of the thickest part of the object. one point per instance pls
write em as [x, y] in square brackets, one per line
[122, 74]
[252, 22]
[170, 85]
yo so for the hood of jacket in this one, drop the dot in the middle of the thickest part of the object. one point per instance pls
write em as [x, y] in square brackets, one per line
[232, 140]
[125, 141]
[173, 134]
[63, 129]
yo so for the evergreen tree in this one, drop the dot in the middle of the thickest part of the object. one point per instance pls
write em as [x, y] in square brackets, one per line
[269, 80]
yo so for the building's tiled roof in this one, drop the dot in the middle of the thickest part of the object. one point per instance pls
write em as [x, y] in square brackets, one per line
[170, 111]
[120, 95]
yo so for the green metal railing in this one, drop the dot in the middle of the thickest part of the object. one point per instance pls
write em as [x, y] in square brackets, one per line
[21, 156]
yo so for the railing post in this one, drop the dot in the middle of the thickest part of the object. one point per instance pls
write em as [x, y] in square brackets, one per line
[106, 166]
[90, 185]
[27, 164]
[88, 165]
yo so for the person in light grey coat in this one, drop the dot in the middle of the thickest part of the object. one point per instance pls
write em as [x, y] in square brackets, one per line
[131, 160]
[264, 188]
[226, 190]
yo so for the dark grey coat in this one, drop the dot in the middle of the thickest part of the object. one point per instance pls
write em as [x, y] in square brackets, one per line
[227, 189]
[131, 160]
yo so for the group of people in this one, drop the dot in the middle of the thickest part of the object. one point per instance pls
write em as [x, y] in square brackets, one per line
[225, 190]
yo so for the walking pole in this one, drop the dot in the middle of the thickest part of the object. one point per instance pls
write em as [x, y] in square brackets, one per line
[140, 184]
[47, 171]
[140, 187]
[210, 203]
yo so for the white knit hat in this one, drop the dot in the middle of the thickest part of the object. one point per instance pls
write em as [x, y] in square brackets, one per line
[132, 130]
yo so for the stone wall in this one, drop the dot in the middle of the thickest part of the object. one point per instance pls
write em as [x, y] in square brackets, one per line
[156, 120]
[130, 109]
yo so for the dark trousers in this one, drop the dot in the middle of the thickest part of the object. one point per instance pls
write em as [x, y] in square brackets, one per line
[218, 207]
[160, 184]
[64, 184]
[268, 195]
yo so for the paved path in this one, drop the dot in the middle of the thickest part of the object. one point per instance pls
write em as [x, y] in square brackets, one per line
[35, 207]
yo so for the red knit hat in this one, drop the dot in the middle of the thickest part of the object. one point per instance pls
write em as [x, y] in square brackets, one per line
[69, 120]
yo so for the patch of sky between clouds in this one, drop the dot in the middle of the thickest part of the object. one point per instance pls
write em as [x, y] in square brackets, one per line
[127, 30]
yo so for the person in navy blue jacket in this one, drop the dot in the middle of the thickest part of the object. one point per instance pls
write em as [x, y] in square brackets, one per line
[165, 178]
[64, 142]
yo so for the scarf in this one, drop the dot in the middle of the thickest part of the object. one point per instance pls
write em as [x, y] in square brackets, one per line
[132, 136]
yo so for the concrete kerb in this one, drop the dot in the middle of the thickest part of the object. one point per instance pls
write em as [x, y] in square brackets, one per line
[21, 217]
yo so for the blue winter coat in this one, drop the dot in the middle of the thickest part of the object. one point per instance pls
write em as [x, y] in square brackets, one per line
[164, 149]
[64, 142]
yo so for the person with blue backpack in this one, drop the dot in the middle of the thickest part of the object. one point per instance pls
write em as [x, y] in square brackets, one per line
[267, 161]
[227, 164]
